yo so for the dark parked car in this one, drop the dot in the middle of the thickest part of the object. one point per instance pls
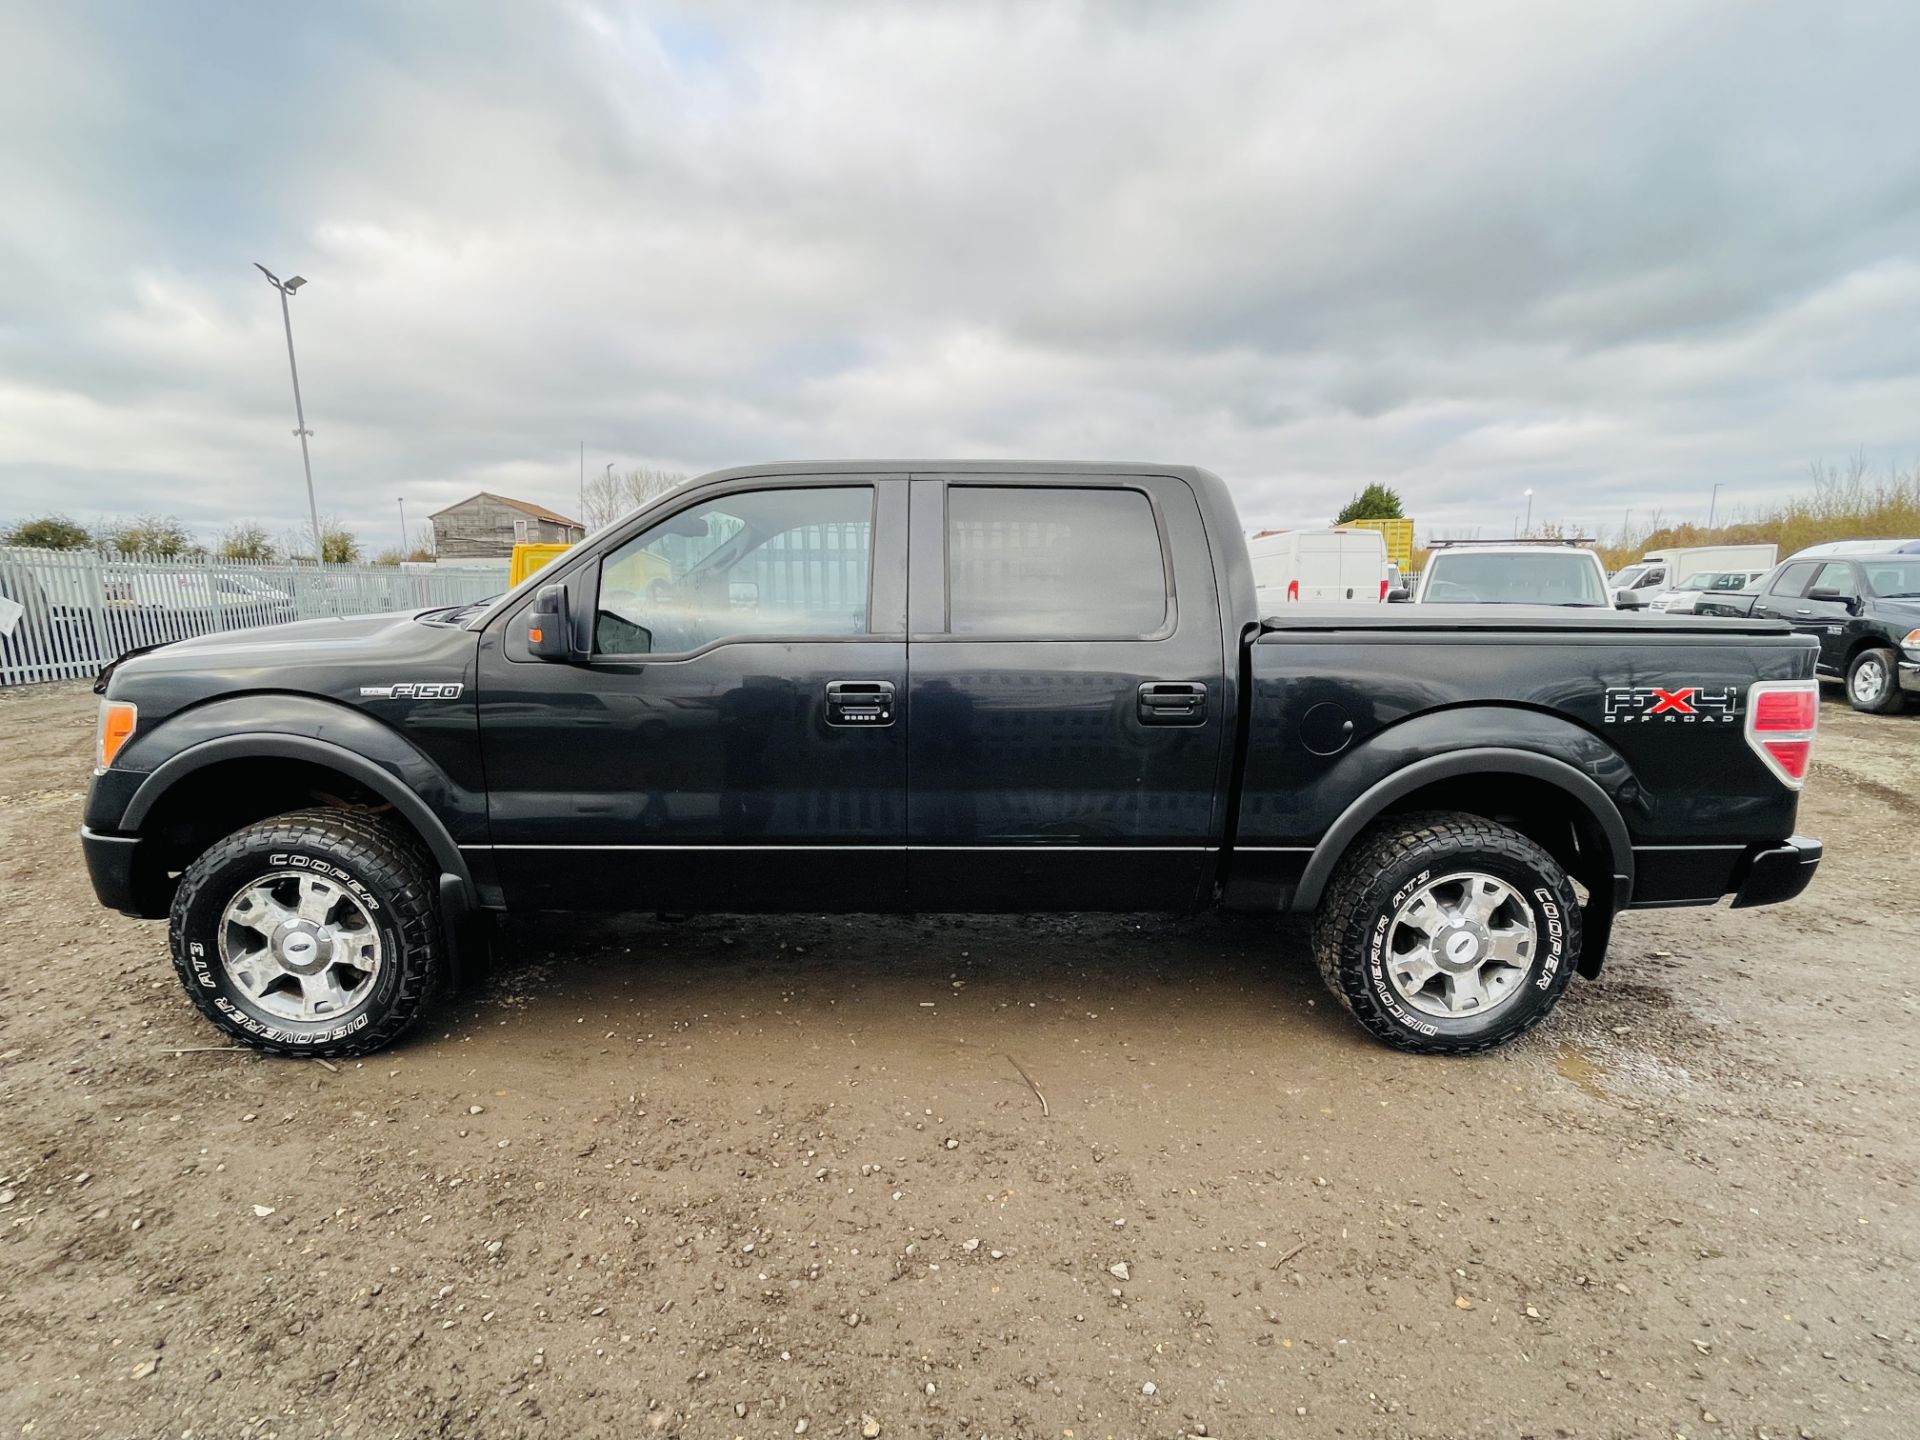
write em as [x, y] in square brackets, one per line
[1863, 609]
[951, 687]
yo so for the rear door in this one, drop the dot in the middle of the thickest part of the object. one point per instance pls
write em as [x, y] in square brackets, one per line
[1781, 599]
[1320, 562]
[1066, 675]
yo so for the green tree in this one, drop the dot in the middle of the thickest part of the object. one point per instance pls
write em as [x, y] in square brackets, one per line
[50, 532]
[1376, 502]
[338, 545]
[244, 540]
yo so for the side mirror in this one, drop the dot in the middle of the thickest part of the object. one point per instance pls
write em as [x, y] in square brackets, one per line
[549, 624]
[1627, 600]
[1399, 595]
[1827, 592]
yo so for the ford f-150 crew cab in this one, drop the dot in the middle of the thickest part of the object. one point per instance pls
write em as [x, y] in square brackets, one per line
[950, 687]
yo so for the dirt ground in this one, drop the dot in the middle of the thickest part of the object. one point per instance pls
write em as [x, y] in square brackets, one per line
[765, 1177]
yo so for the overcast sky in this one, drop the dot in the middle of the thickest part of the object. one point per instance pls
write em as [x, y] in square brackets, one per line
[1616, 252]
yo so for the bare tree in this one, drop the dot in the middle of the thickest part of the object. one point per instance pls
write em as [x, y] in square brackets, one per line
[610, 494]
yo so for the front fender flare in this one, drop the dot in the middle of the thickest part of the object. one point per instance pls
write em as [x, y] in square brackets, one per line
[1478, 760]
[279, 745]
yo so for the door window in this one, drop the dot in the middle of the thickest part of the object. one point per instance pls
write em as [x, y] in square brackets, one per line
[787, 564]
[1792, 578]
[1053, 563]
[1835, 575]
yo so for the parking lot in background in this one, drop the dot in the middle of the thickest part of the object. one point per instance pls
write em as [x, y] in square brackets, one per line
[1041, 1176]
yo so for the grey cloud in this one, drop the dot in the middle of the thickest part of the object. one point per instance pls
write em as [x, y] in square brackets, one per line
[1619, 253]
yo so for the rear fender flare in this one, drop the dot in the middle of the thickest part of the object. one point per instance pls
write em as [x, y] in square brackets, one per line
[1480, 760]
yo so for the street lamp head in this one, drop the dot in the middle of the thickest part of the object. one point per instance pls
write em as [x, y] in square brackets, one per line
[295, 283]
[272, 279]
[1529, 494]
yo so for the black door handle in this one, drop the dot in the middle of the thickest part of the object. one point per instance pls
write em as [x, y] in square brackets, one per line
[1171, 702]
[863, 703]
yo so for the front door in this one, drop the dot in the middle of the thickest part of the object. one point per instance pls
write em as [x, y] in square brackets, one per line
[1067, 715]
[1826, 618]
[729, 741]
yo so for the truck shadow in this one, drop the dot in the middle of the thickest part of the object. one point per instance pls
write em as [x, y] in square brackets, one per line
[1210, 978]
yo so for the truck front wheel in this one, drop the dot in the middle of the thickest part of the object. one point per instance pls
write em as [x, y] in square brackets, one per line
[313, 933]
[1872, 683]
[1447, 934]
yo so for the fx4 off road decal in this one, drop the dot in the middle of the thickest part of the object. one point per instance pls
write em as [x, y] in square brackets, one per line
[1680, 705]
[414, 690]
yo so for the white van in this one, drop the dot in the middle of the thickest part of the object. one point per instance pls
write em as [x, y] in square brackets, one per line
[1668, 569]
[1300, 566]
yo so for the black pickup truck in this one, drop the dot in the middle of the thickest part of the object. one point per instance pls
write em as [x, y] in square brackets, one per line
[1862, 610]
[942, 687]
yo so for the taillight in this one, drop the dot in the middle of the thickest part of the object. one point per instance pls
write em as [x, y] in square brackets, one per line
[1293, 590]
[1383, 592]
[117, 719]
[1782, 716]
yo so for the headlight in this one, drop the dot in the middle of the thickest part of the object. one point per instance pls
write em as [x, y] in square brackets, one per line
[1912, 640]
[117, 719]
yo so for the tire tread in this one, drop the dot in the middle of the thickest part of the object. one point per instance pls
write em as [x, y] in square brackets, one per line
[1338, 926]
[386, 853]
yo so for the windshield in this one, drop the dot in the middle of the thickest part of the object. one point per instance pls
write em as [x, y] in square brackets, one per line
[1551, 579]
[1629, 577]
[1894, 579]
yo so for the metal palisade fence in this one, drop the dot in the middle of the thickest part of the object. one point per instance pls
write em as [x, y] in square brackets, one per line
[66, 613]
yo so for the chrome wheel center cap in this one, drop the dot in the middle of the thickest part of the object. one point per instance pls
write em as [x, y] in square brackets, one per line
[1462, 949]
[303, 948]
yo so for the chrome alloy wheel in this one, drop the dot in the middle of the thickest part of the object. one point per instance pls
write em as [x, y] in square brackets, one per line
[1461, 946]
[1869, 680]
[300, 947]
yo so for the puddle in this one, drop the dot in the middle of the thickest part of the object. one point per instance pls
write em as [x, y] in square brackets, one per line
[1583, 1070]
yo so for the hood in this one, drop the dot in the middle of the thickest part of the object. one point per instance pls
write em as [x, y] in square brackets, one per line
[297, 638]
[332, 659]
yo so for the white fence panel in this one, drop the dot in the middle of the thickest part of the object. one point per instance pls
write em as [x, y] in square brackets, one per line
[66, 613]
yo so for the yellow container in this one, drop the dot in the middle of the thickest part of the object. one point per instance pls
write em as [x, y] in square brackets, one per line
[529, 558]
[1399, 536]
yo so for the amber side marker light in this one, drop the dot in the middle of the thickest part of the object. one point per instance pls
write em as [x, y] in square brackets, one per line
[536, 635]
[117, 719]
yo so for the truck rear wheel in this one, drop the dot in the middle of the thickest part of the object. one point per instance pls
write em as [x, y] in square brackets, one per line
[1447, 934]
[313, 933]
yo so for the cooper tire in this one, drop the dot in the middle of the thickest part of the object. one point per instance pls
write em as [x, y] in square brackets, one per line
[1873, 682]
[1428, 859]
[369, 888]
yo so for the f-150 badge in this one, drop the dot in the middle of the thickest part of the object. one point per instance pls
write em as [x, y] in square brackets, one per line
[414, 690]
[1681, 705]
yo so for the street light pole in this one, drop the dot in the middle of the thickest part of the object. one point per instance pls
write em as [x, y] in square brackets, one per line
[1713, 504]
[1529, 529]
[286, 288]
[403, 527]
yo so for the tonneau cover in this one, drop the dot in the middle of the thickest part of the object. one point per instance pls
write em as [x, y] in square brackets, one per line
[1566, 619]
